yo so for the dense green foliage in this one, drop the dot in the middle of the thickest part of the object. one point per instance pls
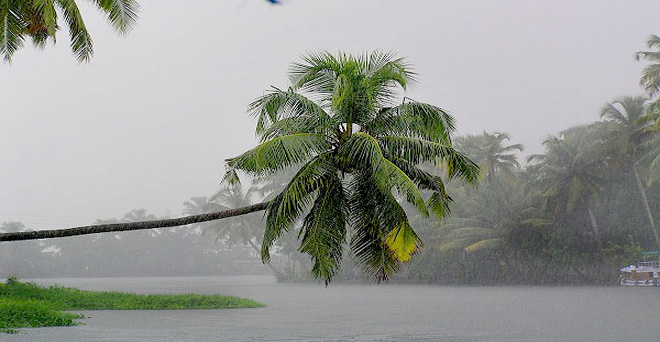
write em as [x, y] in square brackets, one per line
[29, 305]
[572, 215]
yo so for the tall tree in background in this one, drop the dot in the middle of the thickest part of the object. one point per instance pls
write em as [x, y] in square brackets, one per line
[245, 229]
[38, 20]
[650, 79]
[338, 120]
[491, 153]
[627, 131]
[569, 171]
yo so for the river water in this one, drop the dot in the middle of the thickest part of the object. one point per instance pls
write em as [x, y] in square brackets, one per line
[310, 312]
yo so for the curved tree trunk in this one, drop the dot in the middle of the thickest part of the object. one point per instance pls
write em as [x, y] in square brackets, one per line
[120, 227]
[647, 208]
[594, 225]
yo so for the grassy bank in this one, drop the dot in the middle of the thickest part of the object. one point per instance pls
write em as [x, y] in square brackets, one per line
[29, 305]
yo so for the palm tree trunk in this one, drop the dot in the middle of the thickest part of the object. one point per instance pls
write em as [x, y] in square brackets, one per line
[647, 209]
[278, 274]
[120, 227]
[594, 224]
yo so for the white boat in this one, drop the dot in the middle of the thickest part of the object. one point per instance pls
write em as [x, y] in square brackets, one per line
[646, 273]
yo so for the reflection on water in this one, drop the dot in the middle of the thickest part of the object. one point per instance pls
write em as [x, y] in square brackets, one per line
[307, 312]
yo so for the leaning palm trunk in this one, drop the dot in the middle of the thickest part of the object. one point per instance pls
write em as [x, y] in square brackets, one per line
[647, 208]
[594, 225]
[120, 227]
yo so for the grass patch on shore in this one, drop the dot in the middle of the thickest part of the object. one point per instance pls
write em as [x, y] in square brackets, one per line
[29, 305]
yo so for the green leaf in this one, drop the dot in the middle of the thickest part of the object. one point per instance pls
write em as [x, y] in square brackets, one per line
[279, 153]
[403, 242]
[122, 14]
[324, 229]
[484, 244]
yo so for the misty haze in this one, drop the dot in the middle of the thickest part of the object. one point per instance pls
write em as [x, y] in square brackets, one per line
[351, 170]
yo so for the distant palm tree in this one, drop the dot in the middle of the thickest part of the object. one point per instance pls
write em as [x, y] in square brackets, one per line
[38, 20]
[569, 172]
[197, 206]
[650, 79]
[241, 229]
[244, 229]
[137, 215]
[490, 152]
[339, 121]
[627, 132]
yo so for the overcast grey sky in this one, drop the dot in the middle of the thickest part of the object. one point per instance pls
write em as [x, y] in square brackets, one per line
[149, 121]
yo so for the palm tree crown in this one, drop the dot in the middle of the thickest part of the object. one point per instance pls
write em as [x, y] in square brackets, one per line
[568, 169]
[650, 79]
[490, 152]
[338, 122]
[37, 19]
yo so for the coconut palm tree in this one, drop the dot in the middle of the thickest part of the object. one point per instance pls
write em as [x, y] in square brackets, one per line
[197, 206]
[339, 123]
[243, 229]
[627, 132]
[354, 146]
[650, 79]
[38, 20]
[491, 153]
[569, 171]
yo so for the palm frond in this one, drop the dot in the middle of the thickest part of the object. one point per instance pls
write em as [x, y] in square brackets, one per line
[405, 186]
[413, 119]
[416, 151]
[373, 215]
[317, 75]
[279, 153]
[277, 105]
[122, 14]
[439, 201]
[472, 232]
[287, 207]
[11, 28]
[324, 229]
[403, 242]
[81, 41]
[484, 244]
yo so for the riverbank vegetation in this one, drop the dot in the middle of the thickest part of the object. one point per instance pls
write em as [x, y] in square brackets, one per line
[29, 305]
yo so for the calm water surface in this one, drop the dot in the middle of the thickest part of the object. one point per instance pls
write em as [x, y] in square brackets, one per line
[305, 312]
